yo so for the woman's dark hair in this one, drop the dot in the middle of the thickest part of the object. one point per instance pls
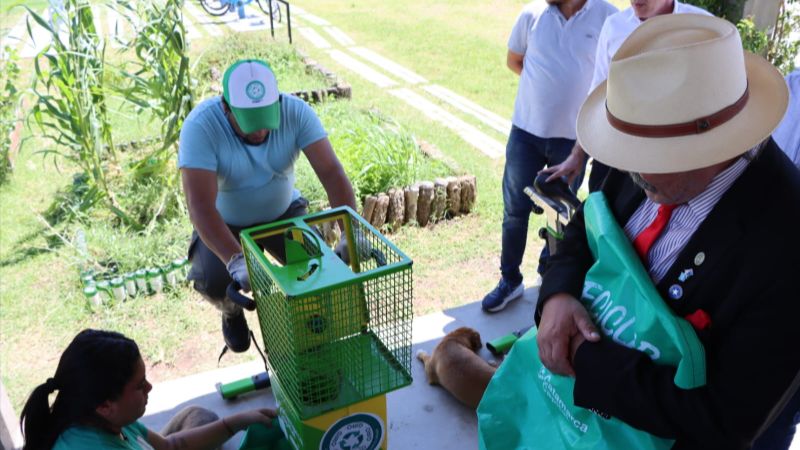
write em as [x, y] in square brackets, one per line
[94, 368]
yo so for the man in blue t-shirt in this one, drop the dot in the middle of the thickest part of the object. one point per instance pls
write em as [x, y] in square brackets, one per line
[237, 157]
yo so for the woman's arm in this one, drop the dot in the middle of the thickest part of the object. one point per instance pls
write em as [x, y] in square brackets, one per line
[211, 435]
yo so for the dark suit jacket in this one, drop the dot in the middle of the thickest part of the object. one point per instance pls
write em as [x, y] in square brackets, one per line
[748, 282]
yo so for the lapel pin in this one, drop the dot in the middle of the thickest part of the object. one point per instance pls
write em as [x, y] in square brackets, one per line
[685, 275]
[699, 258]
[675, 292]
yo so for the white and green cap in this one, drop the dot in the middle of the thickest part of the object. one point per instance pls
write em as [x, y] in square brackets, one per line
[251, 91]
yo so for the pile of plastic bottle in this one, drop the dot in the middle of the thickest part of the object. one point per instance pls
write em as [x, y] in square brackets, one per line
[146, 281]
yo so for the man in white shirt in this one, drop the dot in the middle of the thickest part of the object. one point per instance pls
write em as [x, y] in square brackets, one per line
[615, 30]
[552, 48]
[787, 136]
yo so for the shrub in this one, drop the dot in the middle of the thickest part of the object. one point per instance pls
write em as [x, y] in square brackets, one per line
[376, 152]
[776, 45]
[781, 48]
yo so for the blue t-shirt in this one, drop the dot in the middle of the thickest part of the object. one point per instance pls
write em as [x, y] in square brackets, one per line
[255, 183]
[91, 438]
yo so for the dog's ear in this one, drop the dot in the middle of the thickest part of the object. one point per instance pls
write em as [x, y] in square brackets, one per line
[475, 341]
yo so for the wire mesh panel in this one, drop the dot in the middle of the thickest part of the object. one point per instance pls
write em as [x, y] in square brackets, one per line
[336, 333]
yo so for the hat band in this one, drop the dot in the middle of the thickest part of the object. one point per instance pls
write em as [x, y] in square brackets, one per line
[696, 126]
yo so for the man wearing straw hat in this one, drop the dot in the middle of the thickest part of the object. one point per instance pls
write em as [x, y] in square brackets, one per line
[701, 190]
[236, 156]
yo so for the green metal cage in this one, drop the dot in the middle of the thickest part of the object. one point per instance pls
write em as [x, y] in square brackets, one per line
[335, 333]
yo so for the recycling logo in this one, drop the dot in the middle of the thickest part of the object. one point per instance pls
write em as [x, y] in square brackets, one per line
[255, 90]
[356, 432]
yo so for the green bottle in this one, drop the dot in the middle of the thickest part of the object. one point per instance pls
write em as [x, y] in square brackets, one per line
[92, 296]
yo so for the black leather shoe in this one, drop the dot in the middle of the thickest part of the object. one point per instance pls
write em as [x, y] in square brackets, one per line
[235, 332]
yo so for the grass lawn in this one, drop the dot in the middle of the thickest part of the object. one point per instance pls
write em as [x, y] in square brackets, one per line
[460, 45]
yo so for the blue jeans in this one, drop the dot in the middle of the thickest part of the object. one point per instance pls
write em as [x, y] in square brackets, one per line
[526, 154]
[779, 435]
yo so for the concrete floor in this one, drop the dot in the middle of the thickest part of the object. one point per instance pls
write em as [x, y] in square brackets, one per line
[420, 416]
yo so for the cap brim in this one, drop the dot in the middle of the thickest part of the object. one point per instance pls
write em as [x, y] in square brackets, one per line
[251, 120]
[759, 118]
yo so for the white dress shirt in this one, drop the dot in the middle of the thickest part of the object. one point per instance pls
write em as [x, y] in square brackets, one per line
[616, 29]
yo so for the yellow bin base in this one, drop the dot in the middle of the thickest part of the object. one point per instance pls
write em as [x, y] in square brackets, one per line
[360, 426]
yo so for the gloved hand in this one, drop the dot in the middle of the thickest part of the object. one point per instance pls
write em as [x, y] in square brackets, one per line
[363, 247]
[237, 268]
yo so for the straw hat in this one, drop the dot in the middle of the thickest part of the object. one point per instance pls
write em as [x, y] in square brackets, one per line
[681, 94]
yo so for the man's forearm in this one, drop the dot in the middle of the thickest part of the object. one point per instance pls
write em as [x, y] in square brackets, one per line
[215, 234]
[340, 192]
[514, 61]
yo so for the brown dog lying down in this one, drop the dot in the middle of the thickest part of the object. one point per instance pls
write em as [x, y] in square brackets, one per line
[456, 366]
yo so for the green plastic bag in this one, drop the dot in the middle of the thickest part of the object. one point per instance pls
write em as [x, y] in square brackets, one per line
[528, 407]
[261, 437]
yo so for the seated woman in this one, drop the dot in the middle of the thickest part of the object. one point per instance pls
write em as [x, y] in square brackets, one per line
[102, 392]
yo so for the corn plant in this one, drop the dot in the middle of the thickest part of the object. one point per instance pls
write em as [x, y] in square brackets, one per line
[70, 97]
[160, 83]
[9, 100]
[161, 78]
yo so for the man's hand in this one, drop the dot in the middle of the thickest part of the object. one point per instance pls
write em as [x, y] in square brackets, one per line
[564, 326]
[569, 168]
[237, 268]
[363, 247]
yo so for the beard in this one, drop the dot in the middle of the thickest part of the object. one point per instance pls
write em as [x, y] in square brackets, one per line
[642, 183]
